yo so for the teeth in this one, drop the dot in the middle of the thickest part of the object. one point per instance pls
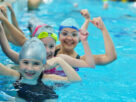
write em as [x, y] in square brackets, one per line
[68, 42]
[30, 73]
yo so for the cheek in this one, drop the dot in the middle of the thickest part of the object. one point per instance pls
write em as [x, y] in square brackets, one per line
[76, 40]
[37, 68]
[22, 66]
[61, 38]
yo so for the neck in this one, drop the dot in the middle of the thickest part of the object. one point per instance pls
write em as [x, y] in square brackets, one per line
[67, 52]
[29, 81]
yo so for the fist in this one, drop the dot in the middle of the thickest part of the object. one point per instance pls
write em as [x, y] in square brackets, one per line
[85, 13]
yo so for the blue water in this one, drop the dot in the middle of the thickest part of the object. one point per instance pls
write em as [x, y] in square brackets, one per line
[114, 82]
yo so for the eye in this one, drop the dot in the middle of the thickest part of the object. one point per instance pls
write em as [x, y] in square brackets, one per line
[51, 46]
[64, 33]
[74, 34]
[26, 62]
[36, 63]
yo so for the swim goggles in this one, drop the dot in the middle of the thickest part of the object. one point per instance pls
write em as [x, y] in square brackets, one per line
[46, 34]
[71, 34]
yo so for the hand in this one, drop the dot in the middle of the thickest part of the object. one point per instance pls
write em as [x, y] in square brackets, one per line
[98, 23]
[9, 7]
[53, 62]
[1, 15]
[3, 12]
[83, 34]
[85, 13]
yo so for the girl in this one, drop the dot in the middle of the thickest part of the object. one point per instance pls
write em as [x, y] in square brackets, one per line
[29, 79]
[69, 26]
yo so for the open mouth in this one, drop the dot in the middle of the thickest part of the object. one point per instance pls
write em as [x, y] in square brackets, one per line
[49, 56]
[69, 43]
[30, 74]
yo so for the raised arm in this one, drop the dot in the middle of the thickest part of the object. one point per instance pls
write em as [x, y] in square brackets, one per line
[5, 46]
[110, 53]
[86, 15]
[72, 75]
[13, 17]
[14, 32]
[88, 54]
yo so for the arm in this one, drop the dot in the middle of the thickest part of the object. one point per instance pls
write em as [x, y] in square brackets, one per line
[86, 15]
[13, 17]
[6, 48]
[110, 54]
[88, 55]
[69, 71]
[7, 71]
[74, 62]
[15, 33]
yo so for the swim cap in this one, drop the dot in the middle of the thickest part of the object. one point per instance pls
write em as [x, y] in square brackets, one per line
[42, 28]
[69, 23]
[33, 49]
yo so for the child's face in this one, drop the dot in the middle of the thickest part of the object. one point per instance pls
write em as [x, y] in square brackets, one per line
[50, 45]
[69, 38]
[31, 68]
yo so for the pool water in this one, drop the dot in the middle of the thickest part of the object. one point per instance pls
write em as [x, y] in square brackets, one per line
[114, 82]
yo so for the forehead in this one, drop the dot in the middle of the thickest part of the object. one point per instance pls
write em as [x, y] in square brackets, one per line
[48, 40]
[69, 29]
[31, 60]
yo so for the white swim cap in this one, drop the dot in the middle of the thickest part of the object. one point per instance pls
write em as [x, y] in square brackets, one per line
[33, 49]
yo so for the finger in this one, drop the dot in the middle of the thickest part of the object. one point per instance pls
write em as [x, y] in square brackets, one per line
[4, 13]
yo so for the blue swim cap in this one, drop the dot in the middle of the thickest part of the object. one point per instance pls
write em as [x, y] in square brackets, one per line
[33, 49]
[69, 23]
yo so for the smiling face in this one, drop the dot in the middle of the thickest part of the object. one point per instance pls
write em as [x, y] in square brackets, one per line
[30, 68]
[50, 45]
[69, 38]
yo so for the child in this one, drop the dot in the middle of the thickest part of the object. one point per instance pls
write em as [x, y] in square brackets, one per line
[67, 37]
[30, 79]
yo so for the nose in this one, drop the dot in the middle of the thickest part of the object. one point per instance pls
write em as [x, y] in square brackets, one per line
[47, 50]
[29, 67]
[69, 37]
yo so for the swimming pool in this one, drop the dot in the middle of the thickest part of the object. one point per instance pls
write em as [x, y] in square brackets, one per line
[114, 82]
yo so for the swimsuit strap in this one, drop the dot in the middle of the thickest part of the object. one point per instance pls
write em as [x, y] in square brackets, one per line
[57, 50]
[77, 57]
